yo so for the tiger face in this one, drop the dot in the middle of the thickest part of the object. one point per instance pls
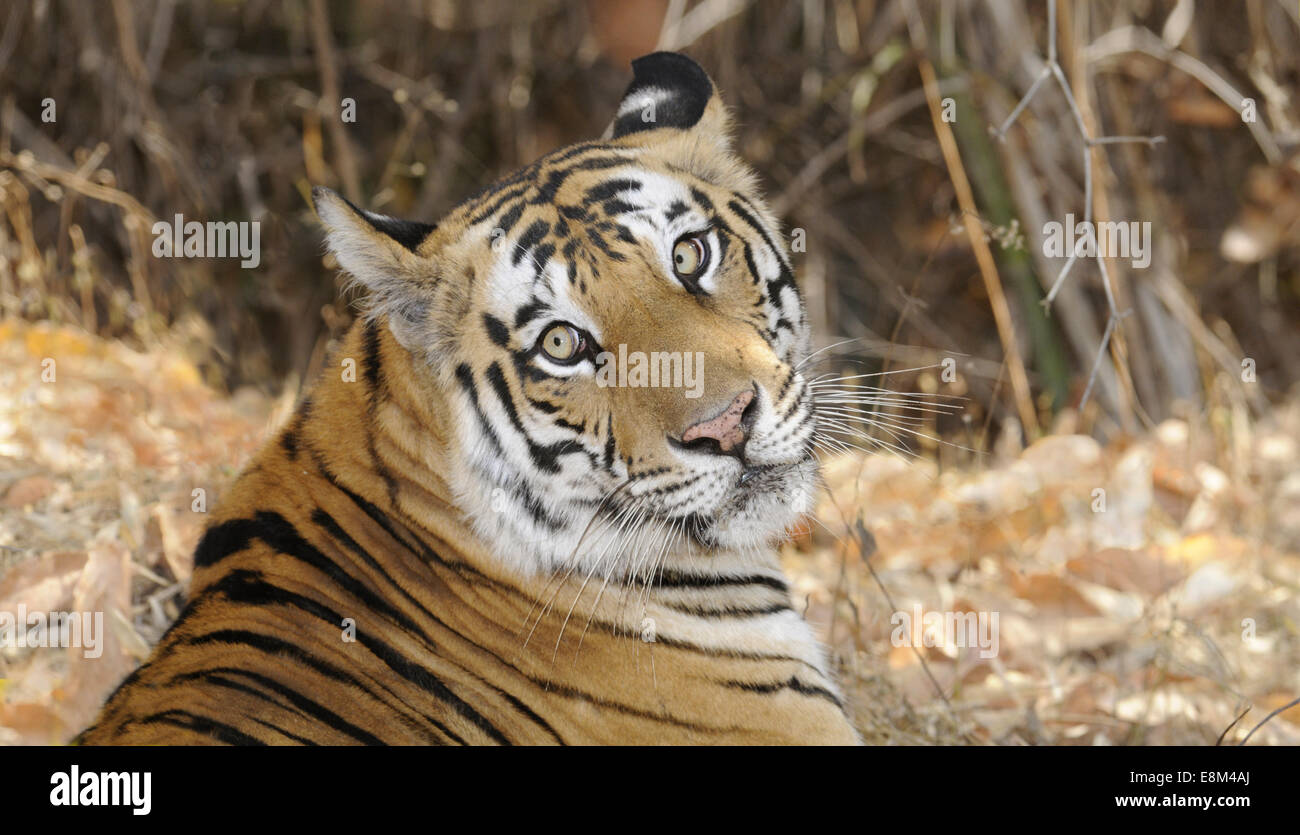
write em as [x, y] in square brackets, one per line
[617, 332]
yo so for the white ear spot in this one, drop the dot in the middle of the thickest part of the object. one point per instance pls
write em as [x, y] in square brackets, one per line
[645, 102]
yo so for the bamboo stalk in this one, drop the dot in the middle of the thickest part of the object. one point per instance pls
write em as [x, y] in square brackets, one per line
[974, 232]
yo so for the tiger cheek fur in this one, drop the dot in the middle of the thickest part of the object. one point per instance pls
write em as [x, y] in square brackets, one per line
[485, 537]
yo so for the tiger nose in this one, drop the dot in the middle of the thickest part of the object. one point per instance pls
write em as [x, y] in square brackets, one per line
[727, 432]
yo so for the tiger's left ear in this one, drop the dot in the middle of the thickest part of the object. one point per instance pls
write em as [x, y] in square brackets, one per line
[669, 94]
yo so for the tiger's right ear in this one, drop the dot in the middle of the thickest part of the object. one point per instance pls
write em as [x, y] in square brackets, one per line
[670, 93]
[383, 254]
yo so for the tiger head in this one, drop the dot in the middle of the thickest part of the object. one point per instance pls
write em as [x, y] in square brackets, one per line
[618, 334]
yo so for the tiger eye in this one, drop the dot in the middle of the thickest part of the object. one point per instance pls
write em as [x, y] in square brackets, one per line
[562, 343]
[690, 256]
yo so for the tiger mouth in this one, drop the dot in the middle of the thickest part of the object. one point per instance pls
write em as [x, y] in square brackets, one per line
[752, 485]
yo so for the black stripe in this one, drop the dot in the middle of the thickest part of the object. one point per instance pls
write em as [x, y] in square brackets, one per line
[289, 439]
[576, 428]
[201, 725]
[785, 277]
[312, 708]
[374, 374]
[280, 649]
[281, 536]
[390, 527]
[301, 740]
[753, 271]
[733, 654]
[594, 236]
[610, 188]
[529, 239]
[544, 457]
[466, 379]
[491, 209]
[507, 221]
[601, 163]
[205, 677]
[541, 256]
[528, 312]
[627, 710]
[729, 611]
[271, 645]
[376, 515]
[793, 684]
[224, 539]
[496, 330]
[703, 199]
[372, 362]
[671, 579]
[335, 530]
[785, 386]
[549, 189]
[251, 587]
[571, 152]
[332, 527]
[609, 441]
[543, 406]
[523, 494]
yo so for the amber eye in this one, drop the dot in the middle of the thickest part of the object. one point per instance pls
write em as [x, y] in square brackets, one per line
[563, 343]
[690, 256]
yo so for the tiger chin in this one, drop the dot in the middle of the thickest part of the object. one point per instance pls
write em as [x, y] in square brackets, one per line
[479, 539]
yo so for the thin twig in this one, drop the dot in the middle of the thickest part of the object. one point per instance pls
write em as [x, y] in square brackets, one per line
[867, 548]
[1231, 725]
[983, 256]
[331, 101]
[1053, 68]
[1129, 39]
[1284, 707]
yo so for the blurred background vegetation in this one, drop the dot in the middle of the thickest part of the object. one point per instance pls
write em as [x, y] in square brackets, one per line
[230, 111]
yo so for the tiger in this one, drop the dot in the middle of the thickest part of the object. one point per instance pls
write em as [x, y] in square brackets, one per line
[487, 533]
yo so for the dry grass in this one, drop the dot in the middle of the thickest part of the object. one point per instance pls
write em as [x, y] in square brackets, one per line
[97, 512]
[1120, 625]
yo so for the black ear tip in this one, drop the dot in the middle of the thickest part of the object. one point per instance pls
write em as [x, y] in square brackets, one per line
[670, 70]
[408, 233]
[668, 90]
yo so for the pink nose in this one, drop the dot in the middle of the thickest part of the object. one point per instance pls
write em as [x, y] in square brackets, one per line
[728, 428]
